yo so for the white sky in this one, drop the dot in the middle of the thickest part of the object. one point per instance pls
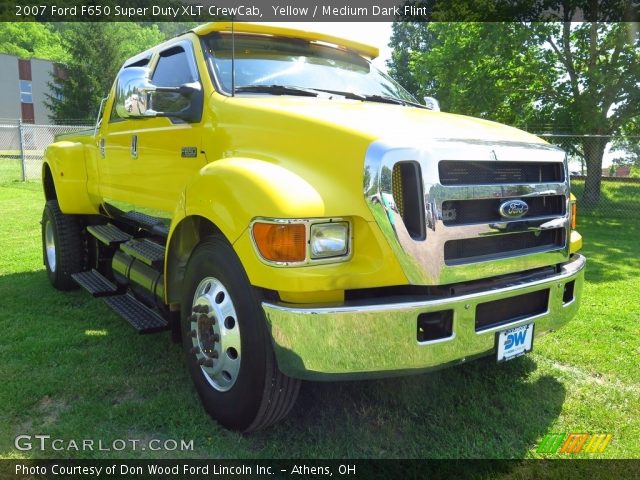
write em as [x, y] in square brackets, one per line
[377, 34]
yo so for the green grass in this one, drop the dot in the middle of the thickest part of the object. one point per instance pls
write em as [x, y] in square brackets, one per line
[72, 369]
[617, 200]
[10, 170]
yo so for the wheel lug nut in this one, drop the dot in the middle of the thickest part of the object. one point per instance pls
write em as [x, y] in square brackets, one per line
[215, 337]
[213, 354]
[207, 362]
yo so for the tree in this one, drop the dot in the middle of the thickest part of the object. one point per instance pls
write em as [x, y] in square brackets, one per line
[29, 39]
[627, 148]
[97, 51]
[578, 77]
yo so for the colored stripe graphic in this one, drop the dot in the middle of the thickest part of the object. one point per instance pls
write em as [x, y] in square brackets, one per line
[598, 443]
[551, 442]
[574, 442]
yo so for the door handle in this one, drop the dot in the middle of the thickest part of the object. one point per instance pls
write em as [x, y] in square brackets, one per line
[134, 146]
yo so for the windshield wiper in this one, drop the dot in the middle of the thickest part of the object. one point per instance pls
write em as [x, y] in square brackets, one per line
[277, 90]
[313, 92]
[392, 100]
[348, 95]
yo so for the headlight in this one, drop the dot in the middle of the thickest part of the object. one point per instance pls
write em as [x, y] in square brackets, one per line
[329, 239]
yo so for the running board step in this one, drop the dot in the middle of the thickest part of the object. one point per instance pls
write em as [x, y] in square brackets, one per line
[148, 252]
[109, 234]
[142, 318]
[154, 225]
[96, 284]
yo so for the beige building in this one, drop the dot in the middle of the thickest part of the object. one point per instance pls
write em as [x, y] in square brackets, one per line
[24, 83]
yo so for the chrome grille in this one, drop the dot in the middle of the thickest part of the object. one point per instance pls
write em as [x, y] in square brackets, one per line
[478, 249]
[494, 173]
[461, 212]
[465, 235]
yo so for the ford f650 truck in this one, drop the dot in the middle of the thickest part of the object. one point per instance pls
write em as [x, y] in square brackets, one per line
[291, 213]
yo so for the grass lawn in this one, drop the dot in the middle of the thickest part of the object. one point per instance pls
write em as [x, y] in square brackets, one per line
[72, 369]
[10, 170]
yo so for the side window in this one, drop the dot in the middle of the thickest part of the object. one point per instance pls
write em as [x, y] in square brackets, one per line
[172, 70]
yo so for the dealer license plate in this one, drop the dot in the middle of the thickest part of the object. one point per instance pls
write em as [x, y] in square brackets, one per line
[514, 342]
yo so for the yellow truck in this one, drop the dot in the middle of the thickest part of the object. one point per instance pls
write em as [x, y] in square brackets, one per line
[288, 212]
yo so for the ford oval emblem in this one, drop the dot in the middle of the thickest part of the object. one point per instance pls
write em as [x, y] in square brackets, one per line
[513, 209]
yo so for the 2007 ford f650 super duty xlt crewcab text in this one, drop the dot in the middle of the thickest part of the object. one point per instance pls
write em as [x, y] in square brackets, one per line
[291, 213]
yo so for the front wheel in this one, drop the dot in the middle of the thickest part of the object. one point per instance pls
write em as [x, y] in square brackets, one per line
[227, 346]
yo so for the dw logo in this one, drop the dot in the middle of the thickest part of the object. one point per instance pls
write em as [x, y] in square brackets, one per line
[515, 339]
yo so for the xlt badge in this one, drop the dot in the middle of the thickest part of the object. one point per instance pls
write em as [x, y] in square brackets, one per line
[189, 152]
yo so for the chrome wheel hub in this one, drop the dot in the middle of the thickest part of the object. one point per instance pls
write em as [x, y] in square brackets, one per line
[50, 246]
[215, 334]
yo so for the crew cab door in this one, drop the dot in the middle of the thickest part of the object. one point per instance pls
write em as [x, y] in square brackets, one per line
[148, 161]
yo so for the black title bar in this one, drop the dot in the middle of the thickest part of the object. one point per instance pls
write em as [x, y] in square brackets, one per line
[321, 10]
[297, 469]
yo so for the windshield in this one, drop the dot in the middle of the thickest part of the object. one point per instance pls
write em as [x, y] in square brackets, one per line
[275, 61]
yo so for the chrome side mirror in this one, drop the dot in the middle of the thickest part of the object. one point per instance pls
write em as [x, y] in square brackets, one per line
[432, 104]
[137, 97]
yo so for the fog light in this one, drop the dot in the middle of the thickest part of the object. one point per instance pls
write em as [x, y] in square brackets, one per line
[329, 239]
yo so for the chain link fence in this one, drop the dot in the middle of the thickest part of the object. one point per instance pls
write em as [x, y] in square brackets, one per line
[613, 192]
[22, 147]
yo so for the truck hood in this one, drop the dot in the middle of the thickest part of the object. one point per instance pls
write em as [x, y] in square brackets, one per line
[408, 125]
[315, 149]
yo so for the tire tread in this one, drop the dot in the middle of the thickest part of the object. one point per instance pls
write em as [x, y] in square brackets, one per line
[69, 247]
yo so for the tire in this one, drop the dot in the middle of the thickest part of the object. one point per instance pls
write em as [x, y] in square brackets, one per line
[227, 346]
[62, 246]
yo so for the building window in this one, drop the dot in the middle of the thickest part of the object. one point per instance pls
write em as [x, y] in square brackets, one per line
[26, 96]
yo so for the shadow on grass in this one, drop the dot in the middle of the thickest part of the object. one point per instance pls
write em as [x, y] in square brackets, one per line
[479, 410]
[72, 369]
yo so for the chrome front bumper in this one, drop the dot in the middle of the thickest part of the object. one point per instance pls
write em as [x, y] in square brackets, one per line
[377, 340]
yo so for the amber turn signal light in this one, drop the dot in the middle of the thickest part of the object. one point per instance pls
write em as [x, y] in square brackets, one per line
[281, 242]
[574, 213]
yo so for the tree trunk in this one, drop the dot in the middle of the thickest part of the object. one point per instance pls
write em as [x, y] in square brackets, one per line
[593, 152]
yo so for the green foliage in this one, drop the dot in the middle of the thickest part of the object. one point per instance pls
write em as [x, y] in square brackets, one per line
[97, 51]
[580, 78]
[29, 39]
[173, 29]
[627, 146]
